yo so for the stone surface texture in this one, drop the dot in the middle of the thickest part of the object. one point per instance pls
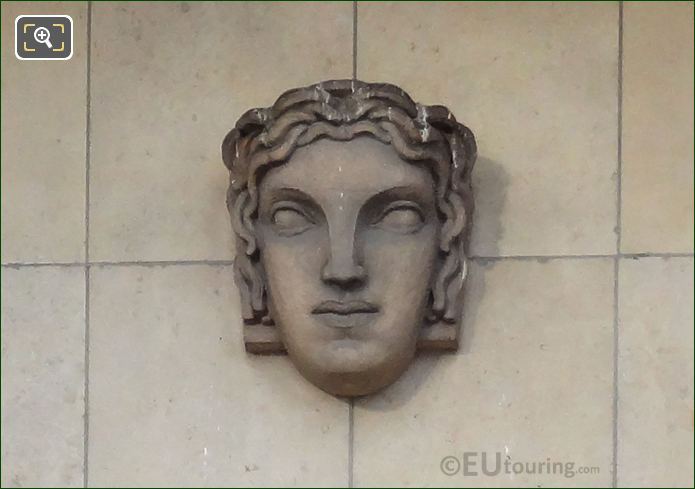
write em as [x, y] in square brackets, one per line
[123, 359]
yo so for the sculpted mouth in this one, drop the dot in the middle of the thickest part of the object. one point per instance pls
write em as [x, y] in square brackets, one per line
[345, 308]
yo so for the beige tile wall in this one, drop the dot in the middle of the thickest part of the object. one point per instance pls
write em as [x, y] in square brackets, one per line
[655, 437]
[578, 327]
[658, 128]
[43, 383]
[145, 86]
[533, 380]
[538, 85]
[43, 150]
[171, 378]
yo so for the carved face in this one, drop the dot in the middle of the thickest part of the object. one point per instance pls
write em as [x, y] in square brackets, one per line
[348, 235]
[351, 205]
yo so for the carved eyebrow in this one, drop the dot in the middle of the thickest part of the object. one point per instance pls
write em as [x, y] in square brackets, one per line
[410, 192]
[276, 195]
[284, 193]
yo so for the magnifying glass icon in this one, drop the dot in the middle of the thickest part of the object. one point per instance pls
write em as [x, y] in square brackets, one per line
[43, 36]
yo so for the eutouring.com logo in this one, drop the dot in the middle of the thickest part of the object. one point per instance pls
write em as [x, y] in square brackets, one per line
[472, 464]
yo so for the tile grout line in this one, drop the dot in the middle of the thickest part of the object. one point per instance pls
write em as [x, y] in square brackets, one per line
[162, 263]
[617, 258]
[535, 257]
[354, 39]
[351, 442]
[580, 257]
[143, 263]
[656, 255]
[88, 123]
[88, 143]
[619, 182]
[86, 376]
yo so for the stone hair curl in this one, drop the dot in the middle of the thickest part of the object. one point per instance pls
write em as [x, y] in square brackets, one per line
[343, 110]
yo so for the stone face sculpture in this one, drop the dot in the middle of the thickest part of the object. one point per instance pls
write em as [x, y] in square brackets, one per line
[352, 206]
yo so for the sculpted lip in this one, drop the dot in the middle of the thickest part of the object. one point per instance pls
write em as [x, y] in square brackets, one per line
[345, 308]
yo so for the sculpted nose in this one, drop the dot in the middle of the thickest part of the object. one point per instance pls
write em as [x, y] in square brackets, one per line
[343, 273]
[342, 268]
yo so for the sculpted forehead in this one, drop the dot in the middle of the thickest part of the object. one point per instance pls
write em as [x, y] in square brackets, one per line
[363, 165]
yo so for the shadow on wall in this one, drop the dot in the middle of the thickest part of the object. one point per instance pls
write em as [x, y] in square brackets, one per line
[490, 182]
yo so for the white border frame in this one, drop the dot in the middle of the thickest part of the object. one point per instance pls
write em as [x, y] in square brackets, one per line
[72, 34]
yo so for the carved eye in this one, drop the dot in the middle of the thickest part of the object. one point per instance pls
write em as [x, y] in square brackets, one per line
[290, 220]
[401, 217]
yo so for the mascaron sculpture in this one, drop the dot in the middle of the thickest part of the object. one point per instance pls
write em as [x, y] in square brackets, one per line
[352, 206]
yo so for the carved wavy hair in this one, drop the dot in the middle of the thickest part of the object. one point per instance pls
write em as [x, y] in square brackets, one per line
[343, 110]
